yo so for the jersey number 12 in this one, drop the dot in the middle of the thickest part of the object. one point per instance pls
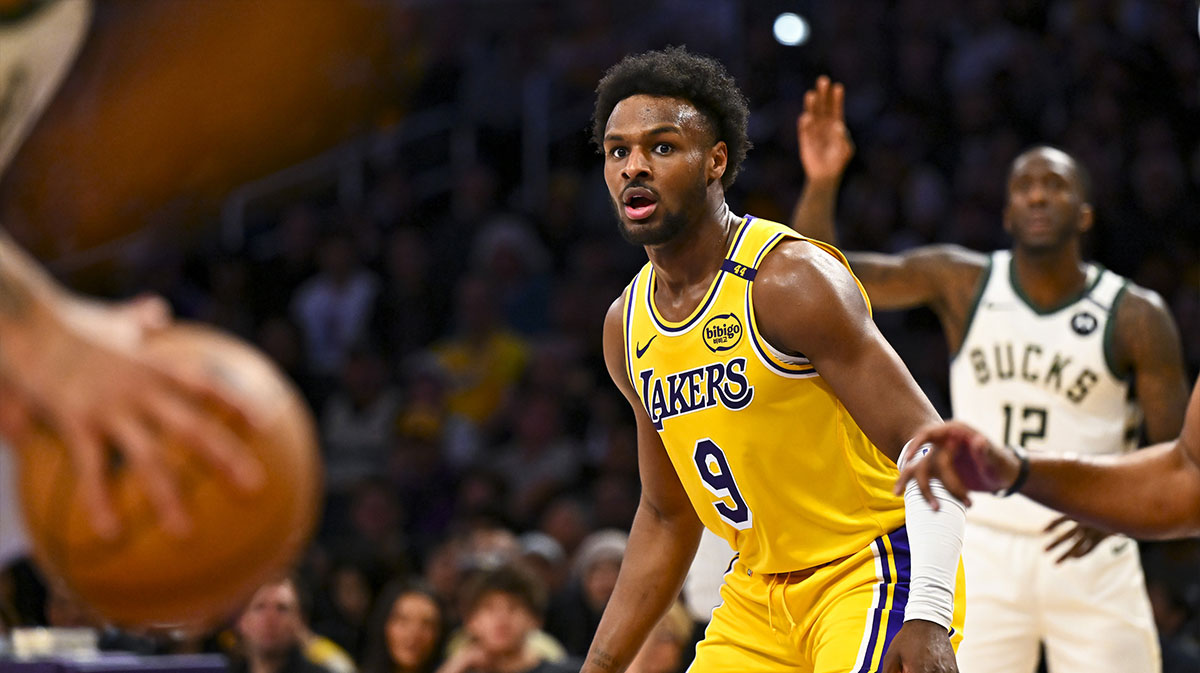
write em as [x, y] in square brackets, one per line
[1032, 422]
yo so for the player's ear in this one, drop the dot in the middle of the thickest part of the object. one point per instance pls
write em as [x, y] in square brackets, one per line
[1087, 217]
[718, 161]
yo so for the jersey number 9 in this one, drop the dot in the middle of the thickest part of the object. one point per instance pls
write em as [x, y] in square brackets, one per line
[717, 478]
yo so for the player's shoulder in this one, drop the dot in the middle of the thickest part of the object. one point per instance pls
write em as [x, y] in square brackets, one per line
[613, 343]
[614, 322]
[804, 275]
[616, 309]
[1144, 328]
[1138, 299]
[795, 260]
[1141, 312]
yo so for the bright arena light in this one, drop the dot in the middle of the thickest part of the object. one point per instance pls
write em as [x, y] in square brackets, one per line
[791, 29]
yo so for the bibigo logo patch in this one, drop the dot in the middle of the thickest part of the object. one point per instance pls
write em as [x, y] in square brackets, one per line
[722, 332]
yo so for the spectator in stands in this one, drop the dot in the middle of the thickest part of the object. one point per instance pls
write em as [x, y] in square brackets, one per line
[271, 630]
[575, 613]
[541, 460]
[406, 631]
[333, 307]
[358, 422]
[483, 359]
[502, 609]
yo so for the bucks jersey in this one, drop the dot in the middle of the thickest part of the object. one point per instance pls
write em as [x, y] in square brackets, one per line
[769, 457]
[1043, 380]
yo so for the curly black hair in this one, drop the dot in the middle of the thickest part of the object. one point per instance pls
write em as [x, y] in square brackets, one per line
[678, 73]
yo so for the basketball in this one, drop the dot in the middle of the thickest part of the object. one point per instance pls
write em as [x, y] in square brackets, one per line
[237, 540]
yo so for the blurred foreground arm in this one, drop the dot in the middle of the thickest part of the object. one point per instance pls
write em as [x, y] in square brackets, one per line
[1152, 493]
[75, 365]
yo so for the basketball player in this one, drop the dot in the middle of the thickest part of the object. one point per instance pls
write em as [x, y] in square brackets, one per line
[1153, 493]
[74, 363]
[761, 390]
[1045, 348]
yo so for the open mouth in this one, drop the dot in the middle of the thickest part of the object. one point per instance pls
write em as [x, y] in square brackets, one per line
[640, 203]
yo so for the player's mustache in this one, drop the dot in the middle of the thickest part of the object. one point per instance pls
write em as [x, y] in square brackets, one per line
[638, 184]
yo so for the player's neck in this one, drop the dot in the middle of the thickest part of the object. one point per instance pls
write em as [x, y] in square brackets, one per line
[1049, 278]
[694, 257]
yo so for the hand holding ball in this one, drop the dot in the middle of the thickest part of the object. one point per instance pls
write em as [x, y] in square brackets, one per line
[236, 540]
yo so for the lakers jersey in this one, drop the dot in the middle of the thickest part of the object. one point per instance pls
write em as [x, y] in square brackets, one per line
[769, 457]
[1043, 380]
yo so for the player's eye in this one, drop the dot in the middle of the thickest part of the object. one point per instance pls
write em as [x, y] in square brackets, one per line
[663, 148]
[618, 152]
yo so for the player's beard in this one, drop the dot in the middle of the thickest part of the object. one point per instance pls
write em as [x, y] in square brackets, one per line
[673, 222]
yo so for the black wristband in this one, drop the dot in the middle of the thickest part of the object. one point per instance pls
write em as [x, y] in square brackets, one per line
[1022, 471]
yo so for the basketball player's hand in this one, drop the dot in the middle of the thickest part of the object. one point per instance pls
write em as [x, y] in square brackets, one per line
[1083, 539]
[920, 647]
[825, 145]
[962, 458]
[77, 368]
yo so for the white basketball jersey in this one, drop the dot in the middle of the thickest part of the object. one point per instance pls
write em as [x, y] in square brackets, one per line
[1043, 380]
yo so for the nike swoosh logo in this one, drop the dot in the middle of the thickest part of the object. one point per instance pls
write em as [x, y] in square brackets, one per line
[641, 350]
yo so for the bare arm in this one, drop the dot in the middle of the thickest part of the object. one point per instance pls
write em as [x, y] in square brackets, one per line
[76, 365]
[825, 150]
[817, 310]
[1147, 343]
[662, 540]
[941, 277]
[1152, 493]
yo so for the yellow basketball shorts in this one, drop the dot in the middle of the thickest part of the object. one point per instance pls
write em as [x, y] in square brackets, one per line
[837, 618]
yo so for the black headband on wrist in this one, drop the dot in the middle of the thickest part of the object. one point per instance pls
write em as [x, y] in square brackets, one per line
[1022, 471]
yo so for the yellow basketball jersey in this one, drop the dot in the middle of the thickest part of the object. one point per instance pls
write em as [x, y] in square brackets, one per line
[769, 457]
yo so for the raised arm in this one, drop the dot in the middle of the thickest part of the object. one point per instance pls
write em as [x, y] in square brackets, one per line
[662, 540]
[941, 277]
[825, 150]
[1151, 494]
[76, 365]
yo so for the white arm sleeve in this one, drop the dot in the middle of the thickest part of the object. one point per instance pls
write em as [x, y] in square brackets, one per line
[935, 541]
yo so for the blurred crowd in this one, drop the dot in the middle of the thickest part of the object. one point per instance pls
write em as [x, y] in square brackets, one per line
[449, 341]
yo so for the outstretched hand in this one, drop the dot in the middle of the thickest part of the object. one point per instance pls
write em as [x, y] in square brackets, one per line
[80, 370]
[824, 140]
[962, 459]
